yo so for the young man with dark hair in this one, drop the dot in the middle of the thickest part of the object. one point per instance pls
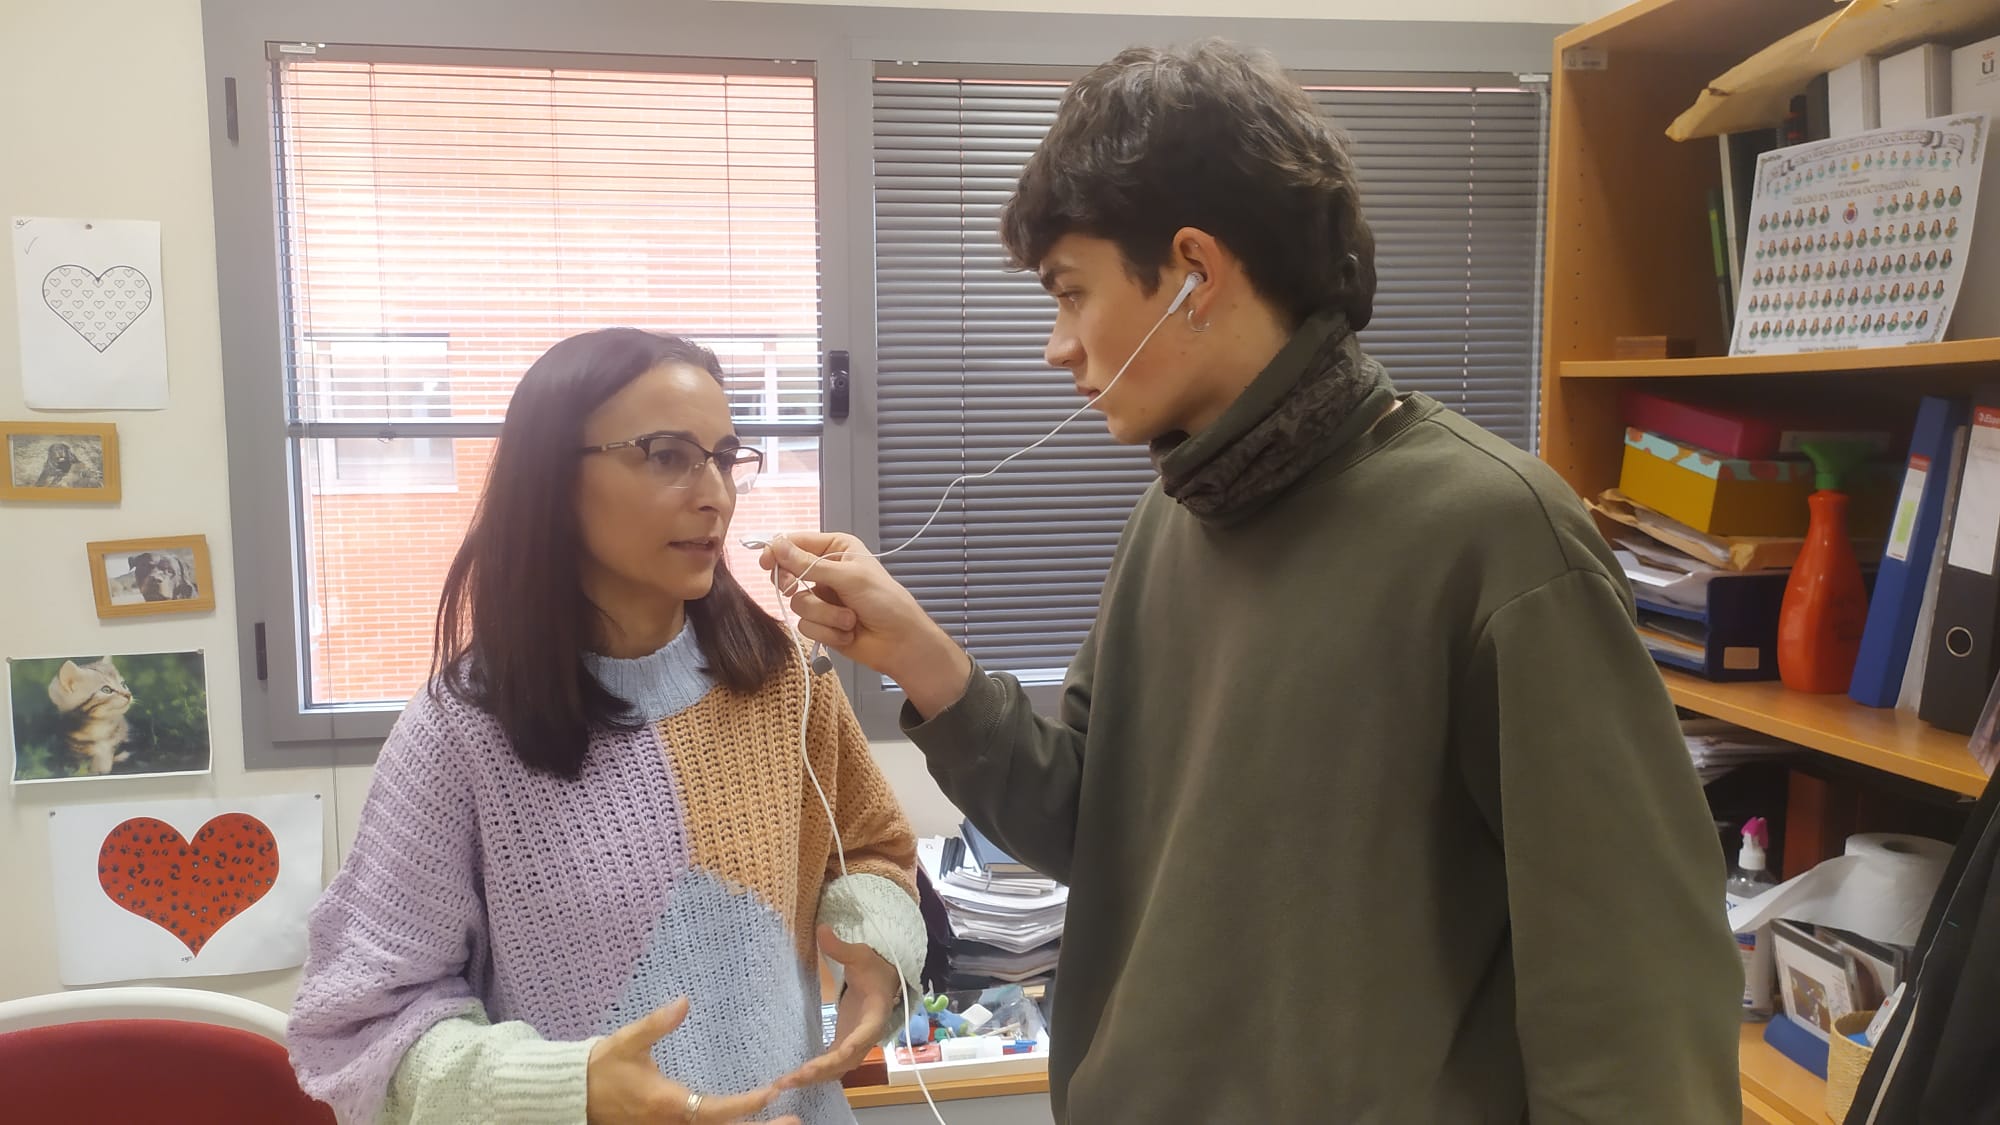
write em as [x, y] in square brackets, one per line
[1372, 805]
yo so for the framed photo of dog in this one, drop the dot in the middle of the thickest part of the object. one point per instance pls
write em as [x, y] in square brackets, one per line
[60, 462]
[141, 577]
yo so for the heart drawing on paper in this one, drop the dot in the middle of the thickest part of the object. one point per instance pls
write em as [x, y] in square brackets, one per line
[189, 889]
[99, 306]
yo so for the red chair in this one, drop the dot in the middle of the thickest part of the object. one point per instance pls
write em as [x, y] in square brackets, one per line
[148, 1056]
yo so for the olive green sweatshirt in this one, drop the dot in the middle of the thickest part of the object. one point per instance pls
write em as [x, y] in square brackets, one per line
[1372, 806]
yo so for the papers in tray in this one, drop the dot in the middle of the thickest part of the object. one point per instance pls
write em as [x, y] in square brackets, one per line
[1013, 914]
[1718, 747]
[1663, 574]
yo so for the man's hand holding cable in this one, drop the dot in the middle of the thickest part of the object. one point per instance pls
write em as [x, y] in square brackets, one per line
[848, 602]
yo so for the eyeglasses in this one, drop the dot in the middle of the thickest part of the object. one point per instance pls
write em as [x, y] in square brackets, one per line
[678, 460]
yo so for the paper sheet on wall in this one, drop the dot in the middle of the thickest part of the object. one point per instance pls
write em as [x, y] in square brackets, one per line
[153, 889]
[93, 322]
[1860, 242]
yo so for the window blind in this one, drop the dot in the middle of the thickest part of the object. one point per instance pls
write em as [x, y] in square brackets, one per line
[446, 216]
[501, 208]
[1451, 182]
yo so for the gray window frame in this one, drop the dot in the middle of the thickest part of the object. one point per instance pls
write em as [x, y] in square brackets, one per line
[841, 46]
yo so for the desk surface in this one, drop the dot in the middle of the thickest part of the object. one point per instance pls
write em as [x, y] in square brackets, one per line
[866, 1097]
[869, 1097]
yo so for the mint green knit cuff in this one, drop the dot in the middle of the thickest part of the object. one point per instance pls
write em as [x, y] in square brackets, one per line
[536, 1081]
[874, 911]
[464, 1069]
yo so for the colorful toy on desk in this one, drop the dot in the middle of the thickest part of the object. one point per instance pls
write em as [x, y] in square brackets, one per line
[934, 1023]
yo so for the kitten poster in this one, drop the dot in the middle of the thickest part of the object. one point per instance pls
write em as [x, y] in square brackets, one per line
[82, 717]
[153, 889]
[93, 321]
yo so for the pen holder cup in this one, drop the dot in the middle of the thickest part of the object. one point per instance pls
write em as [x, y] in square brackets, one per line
[1845, 1061]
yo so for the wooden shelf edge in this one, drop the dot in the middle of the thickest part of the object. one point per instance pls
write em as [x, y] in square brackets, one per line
[1882, 739]
[1661, 25]
[1776, 1089]
[869, 1097]
[1910, 357]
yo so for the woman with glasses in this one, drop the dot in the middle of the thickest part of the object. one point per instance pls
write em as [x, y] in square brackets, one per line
[593, 871]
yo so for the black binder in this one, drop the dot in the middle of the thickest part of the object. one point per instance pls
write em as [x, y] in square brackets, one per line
[1965, 637]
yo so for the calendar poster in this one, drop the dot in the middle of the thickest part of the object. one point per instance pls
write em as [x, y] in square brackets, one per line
[1860, 242]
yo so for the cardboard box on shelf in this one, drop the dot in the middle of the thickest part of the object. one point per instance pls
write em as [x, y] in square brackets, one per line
[1854, 97]
[1915, 85]
[1725, 496]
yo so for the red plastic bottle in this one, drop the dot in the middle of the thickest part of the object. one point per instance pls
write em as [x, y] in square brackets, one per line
[1826, 605]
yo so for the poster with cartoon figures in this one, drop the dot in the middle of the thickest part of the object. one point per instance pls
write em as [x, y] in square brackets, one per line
[154, 889]
[1860, 242]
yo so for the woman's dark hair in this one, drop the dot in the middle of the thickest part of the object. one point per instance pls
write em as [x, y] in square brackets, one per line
[1211, 136]
[513, 623]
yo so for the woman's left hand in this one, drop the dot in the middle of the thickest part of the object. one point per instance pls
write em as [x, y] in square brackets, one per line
[866, 1009]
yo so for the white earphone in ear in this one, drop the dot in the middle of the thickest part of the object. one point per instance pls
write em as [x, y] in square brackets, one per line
[1187, 287]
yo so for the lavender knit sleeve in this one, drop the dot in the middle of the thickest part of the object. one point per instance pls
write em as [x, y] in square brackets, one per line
[390, 940]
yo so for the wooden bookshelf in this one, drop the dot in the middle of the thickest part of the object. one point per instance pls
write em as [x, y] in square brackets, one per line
[1628, 254]
[1776, 1090]
[1971, 357]
[1888, 740]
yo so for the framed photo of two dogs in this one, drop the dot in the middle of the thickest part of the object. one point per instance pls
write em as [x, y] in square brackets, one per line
[77, 462]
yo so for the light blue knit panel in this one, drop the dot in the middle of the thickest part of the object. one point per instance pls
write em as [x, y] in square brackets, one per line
[753, 1013]
[664, 683]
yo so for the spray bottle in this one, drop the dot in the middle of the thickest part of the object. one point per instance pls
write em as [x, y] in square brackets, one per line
[1826, 605]
[1749, 880]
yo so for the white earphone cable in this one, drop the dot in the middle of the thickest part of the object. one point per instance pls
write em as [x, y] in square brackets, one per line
[968, 478]
[1180, 298]
[806, 662]
[840, 848]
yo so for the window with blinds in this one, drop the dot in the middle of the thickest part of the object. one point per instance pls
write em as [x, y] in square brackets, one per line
[442, 222]
[1451, 182]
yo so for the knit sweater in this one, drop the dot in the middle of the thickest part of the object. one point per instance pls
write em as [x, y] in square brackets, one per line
[490, 921]
[1388, 717]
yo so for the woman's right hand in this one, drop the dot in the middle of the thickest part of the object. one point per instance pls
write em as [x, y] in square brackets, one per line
[850, 603]
[626, 1086]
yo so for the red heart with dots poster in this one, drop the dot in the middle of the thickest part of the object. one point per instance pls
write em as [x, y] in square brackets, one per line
[183, 888]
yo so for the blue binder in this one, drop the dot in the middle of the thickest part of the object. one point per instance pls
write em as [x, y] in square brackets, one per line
[1899, 584]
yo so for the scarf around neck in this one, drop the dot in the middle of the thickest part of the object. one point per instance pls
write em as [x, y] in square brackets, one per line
[1316, 396]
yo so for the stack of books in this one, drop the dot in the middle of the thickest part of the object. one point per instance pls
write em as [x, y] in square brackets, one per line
[1006, 920]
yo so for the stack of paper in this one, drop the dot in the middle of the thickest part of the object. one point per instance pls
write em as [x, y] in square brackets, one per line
[973, 962]
[1005, 927]
[1661, 574]
[1737, 552]
[1718, 747]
